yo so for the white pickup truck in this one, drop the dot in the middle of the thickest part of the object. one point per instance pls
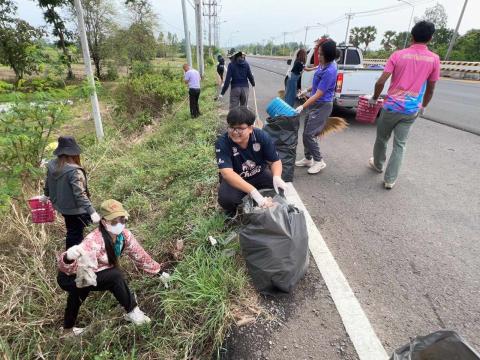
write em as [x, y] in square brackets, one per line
[353, 80]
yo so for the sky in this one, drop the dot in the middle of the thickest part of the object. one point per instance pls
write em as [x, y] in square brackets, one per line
[246, 21]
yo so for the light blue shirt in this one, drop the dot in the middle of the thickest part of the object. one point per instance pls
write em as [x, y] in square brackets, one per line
[193, 78]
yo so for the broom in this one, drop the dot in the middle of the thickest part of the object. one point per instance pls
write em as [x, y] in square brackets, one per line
[333, 125]
[258, 122]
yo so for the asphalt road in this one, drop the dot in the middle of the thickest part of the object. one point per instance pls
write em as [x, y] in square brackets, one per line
[456, 102]
[412, 254]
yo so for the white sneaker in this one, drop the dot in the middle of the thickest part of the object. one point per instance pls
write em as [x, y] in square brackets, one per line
[389, 186]
[304, 162]
[316, 167]
[371, 162]
[76, 331]
[137, 317]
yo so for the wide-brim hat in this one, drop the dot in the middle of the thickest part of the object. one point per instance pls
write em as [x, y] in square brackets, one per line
[111, 209]
[67, 146]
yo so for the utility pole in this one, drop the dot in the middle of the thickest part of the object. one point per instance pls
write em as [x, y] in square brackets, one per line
[198, 26]
[306, 31]
[188, 49]
[349, 17]
[284, 45]
[409, 23]
[88, 70]
[454, 36]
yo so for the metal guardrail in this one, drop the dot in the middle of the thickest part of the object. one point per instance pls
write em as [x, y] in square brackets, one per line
[456, 69]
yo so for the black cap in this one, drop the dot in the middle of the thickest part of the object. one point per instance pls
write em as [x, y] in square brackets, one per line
[67, 146]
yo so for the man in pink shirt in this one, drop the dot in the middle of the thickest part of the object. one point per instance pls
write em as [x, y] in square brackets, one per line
[414, 72]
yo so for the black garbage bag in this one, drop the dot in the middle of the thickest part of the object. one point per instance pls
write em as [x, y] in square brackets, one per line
[284, 132]
[274, 243]
[440, 345]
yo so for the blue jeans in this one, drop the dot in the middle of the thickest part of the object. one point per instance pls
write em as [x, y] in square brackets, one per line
[400, 125]
[291, 90]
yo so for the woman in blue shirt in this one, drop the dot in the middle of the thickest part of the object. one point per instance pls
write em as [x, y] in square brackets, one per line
[321, 104]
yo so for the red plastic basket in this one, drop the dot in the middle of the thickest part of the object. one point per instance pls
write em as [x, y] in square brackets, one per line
[367, 113]
[42, 212]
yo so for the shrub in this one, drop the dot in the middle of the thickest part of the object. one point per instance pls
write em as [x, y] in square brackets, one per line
[24, 133]
[112, 71]
[40, 84]
[149, 93]
[5, 87]
[139, 68]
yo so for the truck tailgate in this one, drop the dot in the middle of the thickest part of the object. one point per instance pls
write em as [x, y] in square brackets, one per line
[357, 82]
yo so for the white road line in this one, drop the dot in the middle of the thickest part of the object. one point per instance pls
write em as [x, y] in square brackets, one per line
[356, 323]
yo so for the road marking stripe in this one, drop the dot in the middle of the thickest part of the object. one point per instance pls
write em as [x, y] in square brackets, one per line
[356, 323]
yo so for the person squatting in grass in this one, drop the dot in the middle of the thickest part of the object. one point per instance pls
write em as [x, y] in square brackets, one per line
[66, 186]
[321, 103]
[103, 248]
[414, 71]
[238, 76]
[192, 79]
[247, 161]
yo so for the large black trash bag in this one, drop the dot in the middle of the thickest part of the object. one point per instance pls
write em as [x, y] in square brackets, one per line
[284, 132]
[440, 345]
[274, 243]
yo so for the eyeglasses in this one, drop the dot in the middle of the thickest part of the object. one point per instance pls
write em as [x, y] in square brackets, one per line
[121, 219]
[238, 130]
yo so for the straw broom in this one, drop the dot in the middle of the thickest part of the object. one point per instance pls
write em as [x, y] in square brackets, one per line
[333, 125]
[258, 122]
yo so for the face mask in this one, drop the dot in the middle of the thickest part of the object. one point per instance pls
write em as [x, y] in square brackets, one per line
[115, 229]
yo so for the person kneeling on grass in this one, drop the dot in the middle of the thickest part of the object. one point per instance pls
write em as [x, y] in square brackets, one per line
[244, 155]
[103, 248]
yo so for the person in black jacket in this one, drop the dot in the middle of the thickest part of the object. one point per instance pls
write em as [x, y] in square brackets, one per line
[66, 186]
[220, 66]
[238, 74]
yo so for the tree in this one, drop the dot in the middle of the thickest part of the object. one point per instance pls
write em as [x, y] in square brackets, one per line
[99, 23]
[399, 40]
[435, 14]
[52, 17]
[369, 34]
[355, 36]
[468, 46]
[19, 47]
[388, 40]
[363, 35]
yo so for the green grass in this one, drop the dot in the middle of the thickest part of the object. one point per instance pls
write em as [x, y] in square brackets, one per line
[167, 180]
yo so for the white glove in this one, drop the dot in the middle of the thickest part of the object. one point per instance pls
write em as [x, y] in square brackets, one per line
[43, 198]
[220, 96]
[259, 199]
[74, 252]
[95, 218]
[372, 101]
[302, 93]
[421, 111]
[278, 183]
[299, 109]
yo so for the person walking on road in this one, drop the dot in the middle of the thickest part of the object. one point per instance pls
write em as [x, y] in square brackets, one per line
[321, 103]
[295, 74]
[66, 186]
[220, 67]
[414, 72]
[238, 74]
[247, 161]
[192, 79]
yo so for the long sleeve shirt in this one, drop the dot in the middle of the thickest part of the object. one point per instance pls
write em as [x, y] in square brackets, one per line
[94, 247]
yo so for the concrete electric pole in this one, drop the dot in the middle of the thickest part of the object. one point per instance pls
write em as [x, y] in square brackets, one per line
[454, 36]
[188, 48]
[88, 70]
[198, 27]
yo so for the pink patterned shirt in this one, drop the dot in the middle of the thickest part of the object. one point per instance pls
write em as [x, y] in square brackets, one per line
[411, 68]
[94, 247]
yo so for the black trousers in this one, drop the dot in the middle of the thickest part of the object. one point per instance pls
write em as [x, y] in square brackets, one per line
[112, 280]
[229, 198]
[194, 95]
[75, 225]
